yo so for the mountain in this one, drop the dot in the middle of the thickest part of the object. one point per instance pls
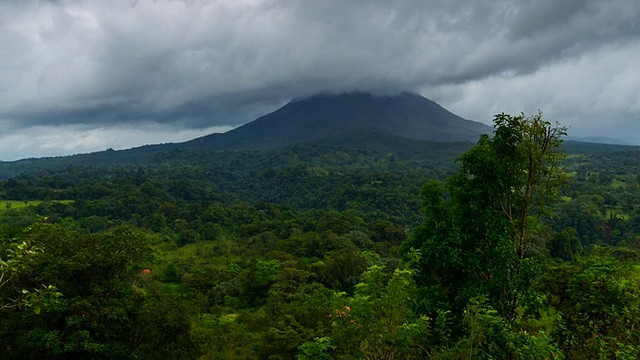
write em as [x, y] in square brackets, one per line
[404, 124]
[599, 140]
[345, 116]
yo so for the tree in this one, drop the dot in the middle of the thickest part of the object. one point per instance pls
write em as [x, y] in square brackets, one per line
[598, 303]
[16, 258]
[480, 226]
[378, 322]
[103, 314]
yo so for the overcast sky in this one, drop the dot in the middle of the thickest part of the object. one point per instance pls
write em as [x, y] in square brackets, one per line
[81, 76]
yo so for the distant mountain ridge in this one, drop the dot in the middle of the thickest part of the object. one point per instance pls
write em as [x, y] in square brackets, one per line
[600, 140]
[404, 125]
[330, 117]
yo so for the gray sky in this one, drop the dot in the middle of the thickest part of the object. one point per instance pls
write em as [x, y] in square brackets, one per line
[80, 76]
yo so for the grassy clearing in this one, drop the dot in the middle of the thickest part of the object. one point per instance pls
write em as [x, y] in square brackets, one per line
[617, 212]
[18, 204]
[617, 184]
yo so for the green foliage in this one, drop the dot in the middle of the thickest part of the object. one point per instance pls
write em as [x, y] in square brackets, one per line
[295, 252]
[266, 271]
[162, 331]
[18, 258]
[101, 314]
[46, 295]
[490, 336]
[479, 227]
[599, 302]
[319, 349]
[379, 322]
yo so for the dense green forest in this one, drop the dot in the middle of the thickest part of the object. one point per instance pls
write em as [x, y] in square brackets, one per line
[516, 247]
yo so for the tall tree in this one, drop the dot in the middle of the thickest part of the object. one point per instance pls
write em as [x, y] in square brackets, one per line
[481, 225]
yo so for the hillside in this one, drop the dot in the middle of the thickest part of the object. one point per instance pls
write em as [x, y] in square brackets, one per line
[399, 123]
[341, 117]
[407, 125]
[308, 248]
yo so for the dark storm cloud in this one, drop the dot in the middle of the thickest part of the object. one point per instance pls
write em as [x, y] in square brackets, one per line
[206, 63]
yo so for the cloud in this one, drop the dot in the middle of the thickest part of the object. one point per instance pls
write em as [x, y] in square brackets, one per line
[36, 141]
[594, 92]
[197, 64]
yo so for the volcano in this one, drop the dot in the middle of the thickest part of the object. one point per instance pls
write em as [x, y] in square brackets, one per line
[341, 117]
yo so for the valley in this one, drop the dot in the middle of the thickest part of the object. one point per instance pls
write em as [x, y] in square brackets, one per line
[360, 245]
